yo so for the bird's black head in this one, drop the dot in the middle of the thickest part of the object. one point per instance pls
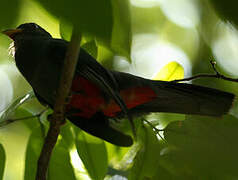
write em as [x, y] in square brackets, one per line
[27, 29]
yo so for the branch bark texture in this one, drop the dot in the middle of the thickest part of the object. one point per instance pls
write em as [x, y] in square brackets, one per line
[58, 117]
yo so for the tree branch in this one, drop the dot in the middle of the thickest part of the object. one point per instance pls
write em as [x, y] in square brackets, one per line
[217, 75]
[58, 117]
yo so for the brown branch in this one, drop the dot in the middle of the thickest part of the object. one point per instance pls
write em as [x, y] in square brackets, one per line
[217, 75]
[58, 117]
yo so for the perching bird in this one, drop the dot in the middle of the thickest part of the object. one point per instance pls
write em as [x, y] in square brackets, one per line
[99, 94]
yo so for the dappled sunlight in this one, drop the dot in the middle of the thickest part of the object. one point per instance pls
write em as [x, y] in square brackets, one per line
[19, 84]
[184, 13]
[150, 54]
[75, 160]
[118, 177]
[79, 169]
[121, 64]
[160, 134]
[225, 48]
[6, 90]
[145, 3]
[14, 138]
[32, 12]
[155, 39]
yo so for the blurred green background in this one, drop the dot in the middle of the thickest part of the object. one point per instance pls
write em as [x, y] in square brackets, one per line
[135, 36]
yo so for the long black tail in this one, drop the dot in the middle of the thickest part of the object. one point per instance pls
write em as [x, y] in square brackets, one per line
[178, 97]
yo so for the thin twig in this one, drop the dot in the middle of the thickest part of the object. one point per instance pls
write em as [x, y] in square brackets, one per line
[58, 117]
[217, 75]
[9, 121]
[155, 128]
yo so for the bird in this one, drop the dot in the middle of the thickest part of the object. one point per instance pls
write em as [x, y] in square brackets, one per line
[99, 95]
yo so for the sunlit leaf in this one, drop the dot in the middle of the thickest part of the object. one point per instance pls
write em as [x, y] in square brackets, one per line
[35, 141]
[91, 48]
[2, 161]
[146, 160]
[171, 71]
[175, 34]
[93, 154]
[29, 119]
[67, 134]
[105, 56]
[60, 163]
[18, 102]
[120, 153]
[33, 150]
[66, 29]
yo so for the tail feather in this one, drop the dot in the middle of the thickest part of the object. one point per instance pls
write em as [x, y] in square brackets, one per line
[178, 97]
[188, 99]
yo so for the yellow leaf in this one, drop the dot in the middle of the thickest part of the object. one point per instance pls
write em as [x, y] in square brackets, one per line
[170, 72]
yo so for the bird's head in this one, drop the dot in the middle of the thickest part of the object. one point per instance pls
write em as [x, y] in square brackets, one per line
[27, 29]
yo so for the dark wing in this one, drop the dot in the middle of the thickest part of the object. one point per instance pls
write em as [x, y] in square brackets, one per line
[90, 69]
[99, 126]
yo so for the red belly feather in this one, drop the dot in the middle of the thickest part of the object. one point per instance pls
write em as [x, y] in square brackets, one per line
[87, 98]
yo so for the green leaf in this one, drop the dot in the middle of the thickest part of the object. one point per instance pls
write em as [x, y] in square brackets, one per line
[9, 11]
[18, 102]
[34, 144]
[2, 161]
[120, 154]
[227, 10]
[60, 163]
[203, 146]
[105, 57]
[120, 37]
[121, 32]
[171, 71]
[33, 150]
[88, 43]
[67, 134]
[66, 30]
[91, 48]
[146, 160]
[164, 174]
[28, 118]
[94, 17]
[93, 154]
[124, 155]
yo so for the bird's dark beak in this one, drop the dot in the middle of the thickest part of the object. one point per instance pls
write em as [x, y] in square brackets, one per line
[12, 32]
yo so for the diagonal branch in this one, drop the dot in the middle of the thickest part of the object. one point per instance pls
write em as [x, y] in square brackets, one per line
[216, 75]
[58, 117]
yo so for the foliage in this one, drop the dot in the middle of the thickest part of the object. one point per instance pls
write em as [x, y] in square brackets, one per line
[188, 147]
